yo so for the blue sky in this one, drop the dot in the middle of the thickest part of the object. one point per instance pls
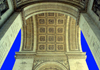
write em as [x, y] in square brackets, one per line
[10, 60]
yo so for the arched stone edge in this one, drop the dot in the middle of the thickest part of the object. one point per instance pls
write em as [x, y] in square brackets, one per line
[35, 35]
[22, 4]
[33, 14]
[54, 63]
[80, 47]
[21, 39]
[40, 11]
[52, 7]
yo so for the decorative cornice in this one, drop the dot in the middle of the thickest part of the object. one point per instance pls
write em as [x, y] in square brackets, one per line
[78, 3]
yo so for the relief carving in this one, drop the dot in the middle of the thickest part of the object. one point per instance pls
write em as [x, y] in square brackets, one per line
[40, 61]
[96, 8]
[23, 63]
[51, 38]
[42, 30]
[41, 21]
[51, 68]
[60, 47]
[73, 35]
[60, 38]
[50, 32]
[51, 21]
[60, 30]
[60, 21]
[41, 47]
[42, 38]
[50, 14]
[42, 14]
[3, 7]
[28, 35]
[51, 47]
[60, 15]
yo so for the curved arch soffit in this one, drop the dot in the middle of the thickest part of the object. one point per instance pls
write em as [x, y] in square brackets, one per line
[50, 63]
[38, 8]
[33, 14]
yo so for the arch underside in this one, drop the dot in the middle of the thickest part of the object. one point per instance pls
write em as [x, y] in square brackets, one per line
[80, 4]
[53, 7]
[51, 36]
[66, 14]
[50, 66]
[51, 32]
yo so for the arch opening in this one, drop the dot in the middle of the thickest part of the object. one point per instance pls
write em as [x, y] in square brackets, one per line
[50, 66]
[51, 32]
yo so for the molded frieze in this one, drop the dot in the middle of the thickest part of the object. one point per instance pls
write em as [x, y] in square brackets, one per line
[40, 60]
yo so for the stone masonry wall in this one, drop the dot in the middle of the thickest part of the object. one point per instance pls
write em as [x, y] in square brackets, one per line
[92, 35]
[8, 34]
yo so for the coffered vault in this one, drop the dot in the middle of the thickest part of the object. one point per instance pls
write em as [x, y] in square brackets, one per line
[51, 41]
[50, 37]
[50, 34]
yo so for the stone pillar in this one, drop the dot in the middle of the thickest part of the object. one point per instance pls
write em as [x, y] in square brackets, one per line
[29, 44]
[77, 61]
[92, 35]
[23, 63]
[8, 34]
[35, 34]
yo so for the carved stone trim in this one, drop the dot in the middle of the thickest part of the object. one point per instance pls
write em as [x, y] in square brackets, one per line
[3, 7]
[96, 8]
[76, 57]
[81, 4]
[51, 6]
[41, 60]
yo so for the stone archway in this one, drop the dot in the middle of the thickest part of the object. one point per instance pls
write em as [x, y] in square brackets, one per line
[63, 8]
[51, 7]
[32, 10]
[34, 30]
[68, 26]
[50, 66]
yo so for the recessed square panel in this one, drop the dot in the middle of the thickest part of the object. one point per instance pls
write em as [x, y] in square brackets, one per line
[51, 21]
[60, 38]
[41, 15]
[60, 21]
[41, 21]
[59, 47]
[51, 47]
[41, 30]
[60, 30]
[51, 38]
[41, 47]
[51, 30]
[60, 15]
[42, 38]
[50, 14]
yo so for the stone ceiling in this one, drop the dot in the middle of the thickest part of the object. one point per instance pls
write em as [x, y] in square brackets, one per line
[51, 32]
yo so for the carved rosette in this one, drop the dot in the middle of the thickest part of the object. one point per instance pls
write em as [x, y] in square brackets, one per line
[51, 32]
